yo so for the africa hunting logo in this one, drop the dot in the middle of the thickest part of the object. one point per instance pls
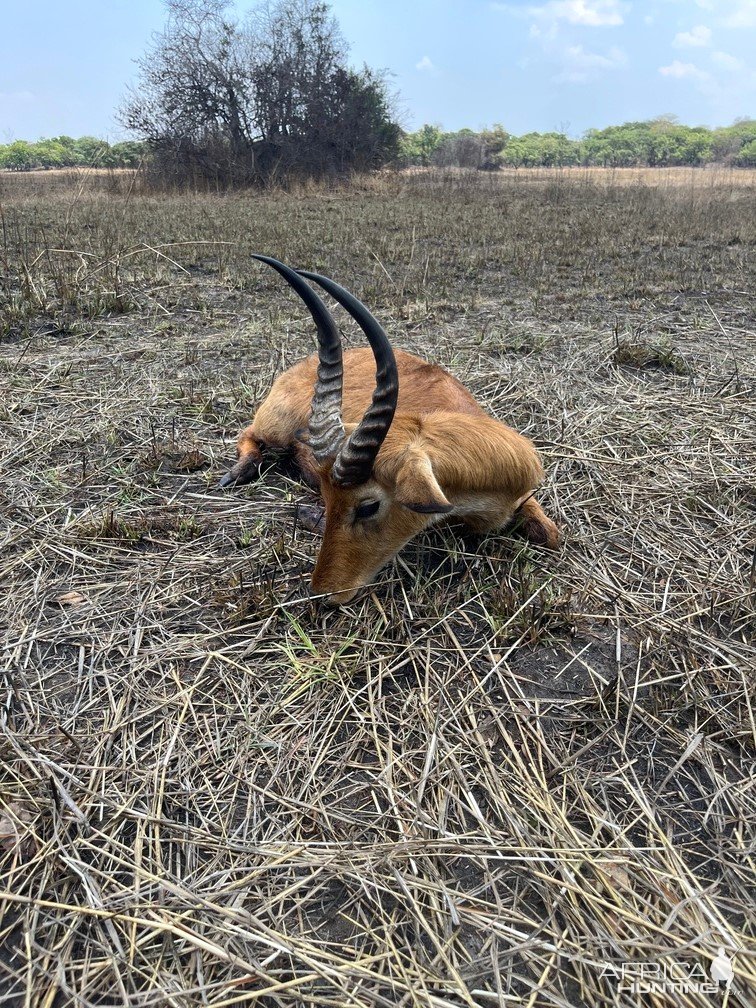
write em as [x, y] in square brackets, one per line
[673, 977]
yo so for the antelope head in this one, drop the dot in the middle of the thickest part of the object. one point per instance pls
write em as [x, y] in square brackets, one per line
[376, 480]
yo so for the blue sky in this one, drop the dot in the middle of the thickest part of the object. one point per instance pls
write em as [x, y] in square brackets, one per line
[541, 65]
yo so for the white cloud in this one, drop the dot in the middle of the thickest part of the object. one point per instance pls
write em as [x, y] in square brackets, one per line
[742, 14]
[585, 12]
[698, 36]
[726, 82]
[591, 13]
[574, 63]
[425, 64]
[546, 31]
[681, 70]
[727, 62]
[730, 13]
[580, 65]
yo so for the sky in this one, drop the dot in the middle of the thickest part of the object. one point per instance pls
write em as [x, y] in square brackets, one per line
[566, 65]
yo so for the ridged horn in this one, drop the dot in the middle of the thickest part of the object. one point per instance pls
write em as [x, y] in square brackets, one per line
[326, 428]
[354, 463]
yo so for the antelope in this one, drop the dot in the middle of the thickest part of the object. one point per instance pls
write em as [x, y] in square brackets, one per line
[421, 449]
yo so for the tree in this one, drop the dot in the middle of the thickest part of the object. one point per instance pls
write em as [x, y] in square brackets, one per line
[494, 142]
[49, 154]
[746, 156]
[463, 149]
[61, 152]
[189, 105]
[18, 156]
[90, 151]
[127, 154]
[729, 142]
[547, 149]
[361, 134]
[418, 148]
[246, 102]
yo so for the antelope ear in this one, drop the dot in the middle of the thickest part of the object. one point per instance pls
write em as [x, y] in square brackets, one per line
[417, 488]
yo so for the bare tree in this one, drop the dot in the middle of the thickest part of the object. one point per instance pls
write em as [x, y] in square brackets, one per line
[243, 102]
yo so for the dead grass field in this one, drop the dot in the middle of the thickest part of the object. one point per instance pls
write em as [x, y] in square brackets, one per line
[499, 776]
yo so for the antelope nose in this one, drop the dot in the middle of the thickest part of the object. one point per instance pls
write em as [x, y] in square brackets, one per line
[333, 598]
[245, 470]
[226, 481]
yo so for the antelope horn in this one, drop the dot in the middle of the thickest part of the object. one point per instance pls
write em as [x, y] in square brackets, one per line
[354, 463]
[326, 428]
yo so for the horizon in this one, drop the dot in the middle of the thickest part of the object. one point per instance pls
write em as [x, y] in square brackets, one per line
[575, 138]
[573, 64]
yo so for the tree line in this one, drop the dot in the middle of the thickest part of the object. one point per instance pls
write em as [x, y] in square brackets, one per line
[67, 152]
[658, 142]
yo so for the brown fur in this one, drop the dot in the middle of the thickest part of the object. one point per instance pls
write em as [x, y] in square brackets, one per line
[443, 455]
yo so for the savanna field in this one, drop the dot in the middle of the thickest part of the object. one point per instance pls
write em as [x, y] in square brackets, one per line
[501, 776]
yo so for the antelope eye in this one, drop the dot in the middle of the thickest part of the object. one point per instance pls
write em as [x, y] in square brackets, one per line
[366, 510]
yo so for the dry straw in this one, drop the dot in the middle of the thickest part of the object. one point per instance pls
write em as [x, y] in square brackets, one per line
[503, 777]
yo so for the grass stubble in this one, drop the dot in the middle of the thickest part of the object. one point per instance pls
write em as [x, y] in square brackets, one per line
[502, 773]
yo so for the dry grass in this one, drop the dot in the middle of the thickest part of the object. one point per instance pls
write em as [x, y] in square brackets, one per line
[501, 774]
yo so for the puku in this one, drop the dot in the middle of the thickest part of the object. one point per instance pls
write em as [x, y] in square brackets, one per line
[394, 444]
